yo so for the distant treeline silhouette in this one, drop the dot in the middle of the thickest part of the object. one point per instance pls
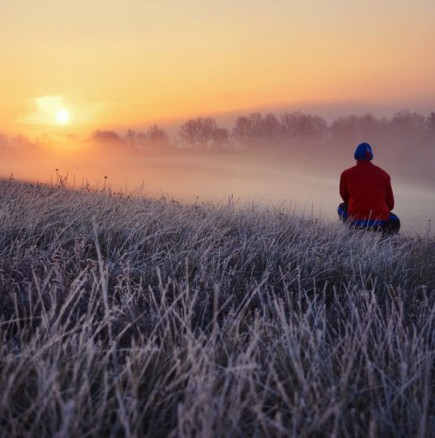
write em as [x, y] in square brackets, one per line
[406, 140]
[258, 131]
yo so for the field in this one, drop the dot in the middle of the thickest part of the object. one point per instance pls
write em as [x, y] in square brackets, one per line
[122, 315]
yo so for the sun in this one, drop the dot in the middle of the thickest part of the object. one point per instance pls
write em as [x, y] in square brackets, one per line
[63, 116]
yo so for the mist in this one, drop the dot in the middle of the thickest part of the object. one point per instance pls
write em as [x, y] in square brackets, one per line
[300, 170]
[300, 180]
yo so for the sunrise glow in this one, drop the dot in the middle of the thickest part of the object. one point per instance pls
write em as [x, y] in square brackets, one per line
[103, 88]
[122, 69]
[63, 116]
[181, 254]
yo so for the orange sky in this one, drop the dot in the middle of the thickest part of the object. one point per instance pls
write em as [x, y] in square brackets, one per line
[120, 63]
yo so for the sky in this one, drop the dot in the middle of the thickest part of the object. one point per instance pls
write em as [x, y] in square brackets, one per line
[75, 66]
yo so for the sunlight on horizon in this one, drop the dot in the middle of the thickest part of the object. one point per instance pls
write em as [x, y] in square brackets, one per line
[81, 71]
[46, 111]
[110, 70]
[63, 116]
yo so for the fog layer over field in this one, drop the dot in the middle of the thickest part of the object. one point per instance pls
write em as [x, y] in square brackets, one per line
[309, 182]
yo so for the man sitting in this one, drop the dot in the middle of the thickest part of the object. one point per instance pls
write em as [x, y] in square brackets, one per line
[367, 195]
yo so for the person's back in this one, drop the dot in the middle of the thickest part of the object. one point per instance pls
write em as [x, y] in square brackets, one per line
[366, 189]
[367, 194]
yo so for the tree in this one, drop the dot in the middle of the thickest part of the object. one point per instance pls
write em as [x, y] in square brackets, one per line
[199, 132]
[359, 128]
[220, 138]
[345, 128]
[408, 121]
[154, 138]
[242, 131]
[106, 137]
[430, 123]
[256, 130]
[300, 125]
[131, 138]
[270, 128]
[408, 129]
[157, 137]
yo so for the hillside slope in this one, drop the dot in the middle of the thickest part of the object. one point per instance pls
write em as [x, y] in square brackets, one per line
[127, 316]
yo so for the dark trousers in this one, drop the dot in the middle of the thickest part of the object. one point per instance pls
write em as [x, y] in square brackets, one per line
[389, 226]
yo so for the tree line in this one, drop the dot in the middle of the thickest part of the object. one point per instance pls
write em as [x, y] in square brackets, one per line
[258, 131]
[282, 132]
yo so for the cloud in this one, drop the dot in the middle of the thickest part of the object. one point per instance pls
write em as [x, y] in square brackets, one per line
[43, 110]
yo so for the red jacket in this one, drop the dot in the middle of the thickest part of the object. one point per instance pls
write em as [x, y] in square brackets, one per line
[366, 189]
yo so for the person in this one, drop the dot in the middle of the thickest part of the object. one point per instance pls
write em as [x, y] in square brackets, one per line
[367, 195]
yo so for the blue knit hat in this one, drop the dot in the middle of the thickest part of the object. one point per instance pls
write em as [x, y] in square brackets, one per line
[363, 152]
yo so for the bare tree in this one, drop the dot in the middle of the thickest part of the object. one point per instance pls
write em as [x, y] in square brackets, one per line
[345, 128]
[299, 125]
[271, 126]
[242, 132]
[430, 125]
[256, 130]
[408, 129]
[408, 120]
[220, 138]
[131, 138]
[430, 121]
[154, 138]
[355, 129]
[198, 133]
[106, 137]
[157, 137]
